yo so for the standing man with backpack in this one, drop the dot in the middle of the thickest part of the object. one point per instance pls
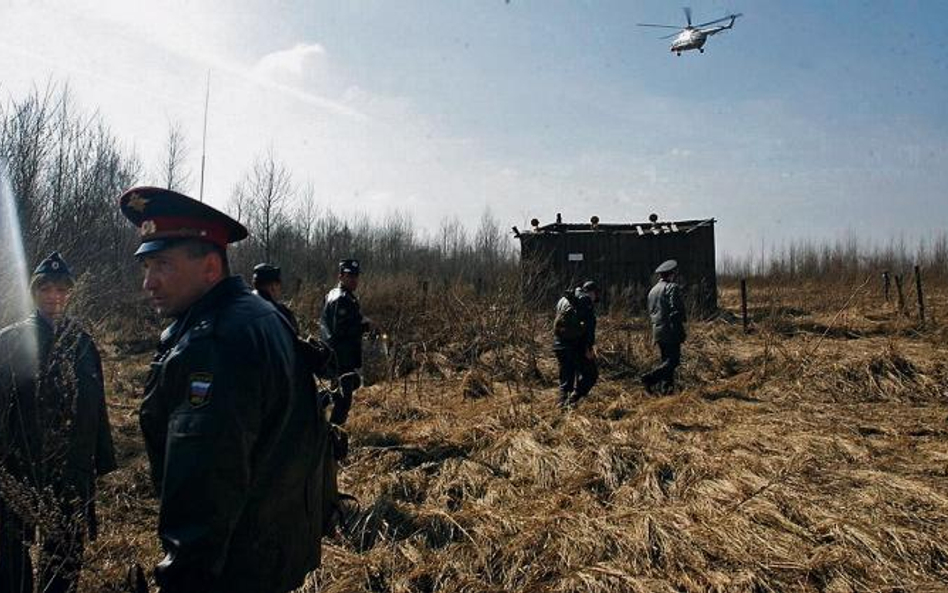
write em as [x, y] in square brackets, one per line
[574, 342]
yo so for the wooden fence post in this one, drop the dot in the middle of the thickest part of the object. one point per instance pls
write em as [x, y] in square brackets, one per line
[918, 293]
[744, 303]
[885, 286]
[898, 288]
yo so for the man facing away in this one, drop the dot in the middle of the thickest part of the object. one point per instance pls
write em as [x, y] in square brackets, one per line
[574, 343]
[55, 437]
[268, 285]
[666, 309]
[341, 327]
[236, 442]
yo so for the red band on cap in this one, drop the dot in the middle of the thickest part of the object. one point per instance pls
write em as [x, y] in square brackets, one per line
[176, 227]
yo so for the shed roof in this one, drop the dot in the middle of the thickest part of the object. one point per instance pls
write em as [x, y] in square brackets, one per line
[641, 229]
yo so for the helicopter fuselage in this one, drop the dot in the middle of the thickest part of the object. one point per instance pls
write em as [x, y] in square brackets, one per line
[689, 39]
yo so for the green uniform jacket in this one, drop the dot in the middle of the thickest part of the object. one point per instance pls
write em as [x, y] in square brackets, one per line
[238, 449]
[666, 308]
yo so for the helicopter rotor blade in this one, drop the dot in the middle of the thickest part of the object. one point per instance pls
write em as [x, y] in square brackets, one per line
[662, 26]
[720, 20]
[675, 34]
[687, 10]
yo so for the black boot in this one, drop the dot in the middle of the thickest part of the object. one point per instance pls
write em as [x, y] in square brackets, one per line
[649, 383]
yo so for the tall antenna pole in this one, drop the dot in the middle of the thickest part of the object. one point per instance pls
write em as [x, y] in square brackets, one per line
[207, 99]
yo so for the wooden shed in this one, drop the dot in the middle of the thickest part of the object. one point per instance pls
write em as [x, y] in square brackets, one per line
[621, 257]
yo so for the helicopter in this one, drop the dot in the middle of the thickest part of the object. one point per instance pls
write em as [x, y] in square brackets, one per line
[694, 36]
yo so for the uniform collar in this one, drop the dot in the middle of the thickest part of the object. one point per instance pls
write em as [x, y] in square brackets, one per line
[345, 290]
[265, 295]
[223, 291]
[43, 321]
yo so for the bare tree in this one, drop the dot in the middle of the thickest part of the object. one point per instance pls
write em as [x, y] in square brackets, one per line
[174, 172]
[489, 242]
[269, 188]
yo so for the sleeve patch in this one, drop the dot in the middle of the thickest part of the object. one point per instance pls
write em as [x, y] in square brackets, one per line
[199, 389]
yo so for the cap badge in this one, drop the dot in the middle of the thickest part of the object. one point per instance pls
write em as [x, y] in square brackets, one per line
[137, 202]
[55, 265]
[149, 228]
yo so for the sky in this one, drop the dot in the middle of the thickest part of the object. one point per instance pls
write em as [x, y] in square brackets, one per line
[808, 121]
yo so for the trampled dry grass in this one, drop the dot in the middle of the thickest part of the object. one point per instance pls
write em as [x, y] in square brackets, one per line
[810, 455]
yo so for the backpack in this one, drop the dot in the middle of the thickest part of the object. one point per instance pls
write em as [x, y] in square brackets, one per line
[568, 325]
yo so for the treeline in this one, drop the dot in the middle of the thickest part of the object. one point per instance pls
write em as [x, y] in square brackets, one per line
[66, 169]
[846, 259]
[289, 227]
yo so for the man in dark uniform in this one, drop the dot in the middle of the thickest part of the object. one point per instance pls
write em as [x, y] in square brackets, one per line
[268, 285]
[574, 343]
[55, 438]
[239, 448]
[666, 308]
[341, 327]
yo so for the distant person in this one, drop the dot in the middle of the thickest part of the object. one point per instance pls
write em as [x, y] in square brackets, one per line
[238, 447]
[574, 343]
[268, 285]
[341, 327]
[666, 309]
[55, 438]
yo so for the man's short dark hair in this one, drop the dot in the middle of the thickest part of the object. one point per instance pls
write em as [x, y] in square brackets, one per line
[196, 249]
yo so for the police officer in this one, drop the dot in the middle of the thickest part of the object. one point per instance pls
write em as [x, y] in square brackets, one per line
[55, 437]
[575, 348]
[237, 445]
[268, 285]
[666, 308]
[341, 327]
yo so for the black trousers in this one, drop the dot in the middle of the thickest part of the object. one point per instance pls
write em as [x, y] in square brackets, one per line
[578, 373]
[60, 558]
[344, 387]
[665, 371]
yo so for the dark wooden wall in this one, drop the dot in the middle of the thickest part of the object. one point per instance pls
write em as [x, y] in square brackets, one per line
[622, 262]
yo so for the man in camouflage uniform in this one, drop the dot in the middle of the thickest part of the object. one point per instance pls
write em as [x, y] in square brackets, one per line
[341, 327]
[239, 448]
[268, 285]
[55, 438]
[666, 309]
[576, 356]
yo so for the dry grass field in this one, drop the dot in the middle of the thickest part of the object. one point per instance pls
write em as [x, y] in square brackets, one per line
[808, 455]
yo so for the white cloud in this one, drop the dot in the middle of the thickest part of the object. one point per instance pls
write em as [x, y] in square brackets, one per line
[293, 63]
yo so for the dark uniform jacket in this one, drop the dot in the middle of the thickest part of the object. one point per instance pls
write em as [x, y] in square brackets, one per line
[237, 448]
[54, 425]
[283, 309]
[666, 308]
[341, 326]
[587, 313]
